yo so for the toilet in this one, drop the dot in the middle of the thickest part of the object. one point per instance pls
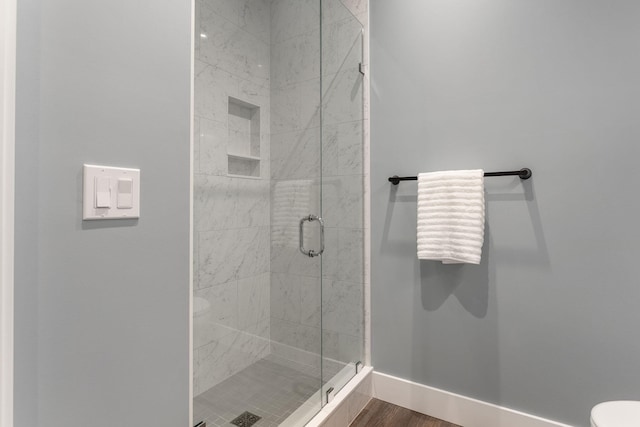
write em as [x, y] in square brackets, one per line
[620, 413]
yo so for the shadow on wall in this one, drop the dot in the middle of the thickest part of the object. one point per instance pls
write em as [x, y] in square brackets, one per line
[538, 255]
[470, 283]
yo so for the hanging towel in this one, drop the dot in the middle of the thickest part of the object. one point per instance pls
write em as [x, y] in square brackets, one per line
[451, 216]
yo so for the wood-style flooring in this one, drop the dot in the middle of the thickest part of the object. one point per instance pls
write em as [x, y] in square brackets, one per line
[382, 414]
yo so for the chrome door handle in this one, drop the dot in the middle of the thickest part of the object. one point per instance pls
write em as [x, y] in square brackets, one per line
[311, 253]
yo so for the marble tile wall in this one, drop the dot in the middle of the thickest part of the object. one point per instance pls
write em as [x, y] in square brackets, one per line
[295, 175]
[231, 214]
[297, 155]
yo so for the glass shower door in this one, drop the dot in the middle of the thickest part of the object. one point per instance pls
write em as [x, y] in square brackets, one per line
[342, 193]
[330, 275]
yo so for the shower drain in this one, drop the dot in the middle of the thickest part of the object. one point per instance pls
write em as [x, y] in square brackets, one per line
[246, 419]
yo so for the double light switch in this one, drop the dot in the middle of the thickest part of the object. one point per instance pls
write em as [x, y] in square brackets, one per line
[111, 192]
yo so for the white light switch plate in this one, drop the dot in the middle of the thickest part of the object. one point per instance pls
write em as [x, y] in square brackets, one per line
[95, 176]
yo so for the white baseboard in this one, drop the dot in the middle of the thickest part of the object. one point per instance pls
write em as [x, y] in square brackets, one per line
[451, 407]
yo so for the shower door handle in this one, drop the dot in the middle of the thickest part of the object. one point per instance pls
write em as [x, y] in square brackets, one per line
[311, 253]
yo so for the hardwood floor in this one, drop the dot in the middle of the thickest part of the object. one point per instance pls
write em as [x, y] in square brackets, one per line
[382, 414]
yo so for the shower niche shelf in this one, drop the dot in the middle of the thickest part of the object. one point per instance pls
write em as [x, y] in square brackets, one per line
[243, 144]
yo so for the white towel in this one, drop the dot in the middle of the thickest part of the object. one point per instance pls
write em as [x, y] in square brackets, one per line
[451, 216]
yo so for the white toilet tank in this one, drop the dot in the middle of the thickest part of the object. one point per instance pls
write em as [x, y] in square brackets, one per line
[620, 413]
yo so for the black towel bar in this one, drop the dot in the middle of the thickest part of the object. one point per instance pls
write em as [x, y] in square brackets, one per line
[524, 173]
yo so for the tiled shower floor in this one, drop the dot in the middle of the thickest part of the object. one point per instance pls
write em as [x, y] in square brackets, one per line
[266, 388]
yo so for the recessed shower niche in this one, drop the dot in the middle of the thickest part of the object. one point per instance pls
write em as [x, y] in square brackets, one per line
[243, 145]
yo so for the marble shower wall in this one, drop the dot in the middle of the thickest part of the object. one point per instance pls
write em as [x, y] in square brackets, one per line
[295, 174]
[297, 159]
[231, 214]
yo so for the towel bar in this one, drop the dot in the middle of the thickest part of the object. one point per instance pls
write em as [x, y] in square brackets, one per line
[524, 173]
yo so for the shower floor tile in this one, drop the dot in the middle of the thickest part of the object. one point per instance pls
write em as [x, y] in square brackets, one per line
[267, 389]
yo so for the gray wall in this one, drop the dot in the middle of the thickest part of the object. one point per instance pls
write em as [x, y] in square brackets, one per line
[547, 323]
[102, 307]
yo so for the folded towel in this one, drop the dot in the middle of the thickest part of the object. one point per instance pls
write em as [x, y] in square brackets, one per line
[451, 216]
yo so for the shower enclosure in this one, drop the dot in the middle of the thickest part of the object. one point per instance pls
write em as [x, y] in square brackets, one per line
[278, 318]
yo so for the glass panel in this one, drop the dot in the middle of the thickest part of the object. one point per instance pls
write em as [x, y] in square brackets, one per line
[342, 193]
[295, 194]
[257, 298]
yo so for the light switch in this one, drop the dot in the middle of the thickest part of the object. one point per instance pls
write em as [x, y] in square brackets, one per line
[110, 193]
[125, 193]
[103, 192]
